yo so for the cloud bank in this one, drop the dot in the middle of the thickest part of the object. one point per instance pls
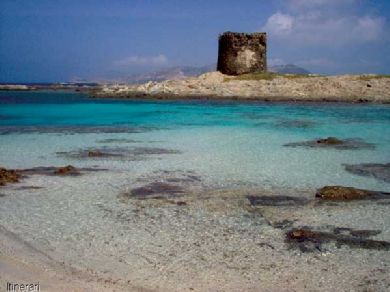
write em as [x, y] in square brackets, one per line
[314, 25]
[317, 34]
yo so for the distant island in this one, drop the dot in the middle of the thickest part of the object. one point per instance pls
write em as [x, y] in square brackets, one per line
[267, 86]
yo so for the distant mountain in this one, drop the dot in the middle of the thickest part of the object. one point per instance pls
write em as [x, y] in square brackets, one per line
[288, 69]
[172, 73]
[175, 73]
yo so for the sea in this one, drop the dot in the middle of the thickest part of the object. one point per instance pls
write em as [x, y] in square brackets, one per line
[229, 144]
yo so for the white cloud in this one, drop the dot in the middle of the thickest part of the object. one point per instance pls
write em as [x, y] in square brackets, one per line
[370, 28]
[312, 27]
[142, 61]
[280, 24]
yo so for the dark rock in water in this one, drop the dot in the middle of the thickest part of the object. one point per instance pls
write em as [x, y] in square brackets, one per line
[340, 193]
[123, 153]
[93, 153]
[276, 201]
[8, 176]
[329, 141]
[96, 153]
[308, 241]
[13, 176]
[66, 170]
[376, 170]
[52, 170]
[332, 142]
[301, 235]
[156, 190]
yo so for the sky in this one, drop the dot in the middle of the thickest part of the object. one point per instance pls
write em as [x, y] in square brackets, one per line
[64, 40]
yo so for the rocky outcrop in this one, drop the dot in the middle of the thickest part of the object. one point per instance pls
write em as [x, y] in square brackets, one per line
[66, 170]
[330, 141]
[276, 201]
[311, 241]
[333, 142]
[241, 53]
[156, 190]
[274, 87]
[340, 193]
[8, 176]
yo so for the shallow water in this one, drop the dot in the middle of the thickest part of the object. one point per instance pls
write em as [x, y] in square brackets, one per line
[211, 160]
[228, 144]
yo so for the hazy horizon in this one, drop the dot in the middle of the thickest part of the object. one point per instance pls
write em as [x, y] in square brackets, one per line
[47, 41]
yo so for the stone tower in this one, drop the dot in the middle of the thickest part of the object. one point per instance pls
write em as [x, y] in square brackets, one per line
[241, 53]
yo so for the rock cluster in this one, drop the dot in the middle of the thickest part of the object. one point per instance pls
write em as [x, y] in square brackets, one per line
[340, 193]
[69, 169]
[8, 176]
[333, 142]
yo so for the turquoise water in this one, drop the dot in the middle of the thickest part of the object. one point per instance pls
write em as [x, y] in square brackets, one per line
[228, 144]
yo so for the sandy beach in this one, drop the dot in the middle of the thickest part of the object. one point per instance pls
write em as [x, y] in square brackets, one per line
[200, 241]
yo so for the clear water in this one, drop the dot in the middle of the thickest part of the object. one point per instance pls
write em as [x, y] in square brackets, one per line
[228, 144]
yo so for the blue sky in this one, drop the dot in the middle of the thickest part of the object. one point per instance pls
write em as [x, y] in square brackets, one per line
[47, 40]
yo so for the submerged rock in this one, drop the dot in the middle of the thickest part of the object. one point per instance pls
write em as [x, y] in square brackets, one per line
[52, 170]
[301, 234]
[276, 201]
[133, 153]
[340, 193]
[156, 190]
[69, 169]
[8, 176]
[333, 142]
[329, 141]
[13, 176]
[308, 241]
[95, 153]
[376, 170]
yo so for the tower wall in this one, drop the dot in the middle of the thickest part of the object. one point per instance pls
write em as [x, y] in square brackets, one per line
[241, 53]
